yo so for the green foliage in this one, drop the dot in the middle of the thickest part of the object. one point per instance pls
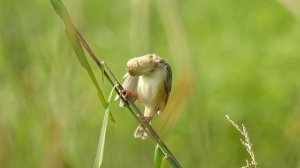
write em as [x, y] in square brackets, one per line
[158, 157]
[245, 56]
[72, 35]
[100, 149]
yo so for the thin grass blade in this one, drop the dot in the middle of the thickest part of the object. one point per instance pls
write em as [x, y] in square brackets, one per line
[100, 149]
[72, 35]
[112, 118]
[158, 157]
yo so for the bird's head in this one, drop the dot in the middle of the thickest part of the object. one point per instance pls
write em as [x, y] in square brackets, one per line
[143, 65]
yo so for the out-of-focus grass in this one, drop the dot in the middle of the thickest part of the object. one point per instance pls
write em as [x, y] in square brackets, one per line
[245, 56]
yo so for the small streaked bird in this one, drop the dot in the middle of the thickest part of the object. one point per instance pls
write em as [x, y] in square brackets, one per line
[148, 81]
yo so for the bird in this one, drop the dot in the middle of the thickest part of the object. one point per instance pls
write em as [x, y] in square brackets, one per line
[148, 81]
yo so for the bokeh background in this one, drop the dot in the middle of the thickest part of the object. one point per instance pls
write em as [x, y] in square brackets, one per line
[234, 57]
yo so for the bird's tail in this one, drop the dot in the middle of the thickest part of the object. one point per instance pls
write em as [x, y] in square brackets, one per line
[140, 133]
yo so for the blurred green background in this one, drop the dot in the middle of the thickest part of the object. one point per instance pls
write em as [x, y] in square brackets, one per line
[240, 58]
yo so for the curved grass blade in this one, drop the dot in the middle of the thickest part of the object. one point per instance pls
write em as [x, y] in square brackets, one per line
[100, 149]
[158, 157]
[72, 35]
[112, 118]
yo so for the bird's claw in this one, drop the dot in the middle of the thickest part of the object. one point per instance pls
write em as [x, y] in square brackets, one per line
[146, 119]
[125, 93]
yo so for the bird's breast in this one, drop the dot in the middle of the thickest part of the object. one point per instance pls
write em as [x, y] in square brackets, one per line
[151, 91]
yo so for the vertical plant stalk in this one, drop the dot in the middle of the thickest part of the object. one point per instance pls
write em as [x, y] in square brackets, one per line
[179, 48]
[158, 157]
[175, 32]
[75, 37]
[139, 28]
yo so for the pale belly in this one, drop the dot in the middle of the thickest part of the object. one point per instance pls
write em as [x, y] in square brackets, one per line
[151, 93]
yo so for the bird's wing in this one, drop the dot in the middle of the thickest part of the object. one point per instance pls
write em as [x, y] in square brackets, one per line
[168, 81]
[130, 83]
[130, 86]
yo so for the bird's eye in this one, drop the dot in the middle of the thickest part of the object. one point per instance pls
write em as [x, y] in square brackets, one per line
[162, 61]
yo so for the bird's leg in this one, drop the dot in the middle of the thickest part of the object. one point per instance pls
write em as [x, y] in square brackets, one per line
[148, 115]
[146, 119]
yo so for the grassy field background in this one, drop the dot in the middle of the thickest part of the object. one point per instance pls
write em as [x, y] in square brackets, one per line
[240, 58]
